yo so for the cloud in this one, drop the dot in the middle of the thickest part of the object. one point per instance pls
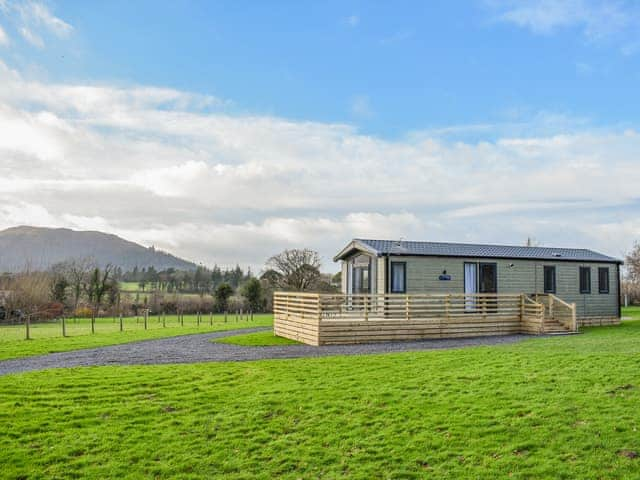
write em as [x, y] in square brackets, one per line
[33, 21]
[31, 37]
[38, 13]
[4, 38]
[175, 170]
[598, 20]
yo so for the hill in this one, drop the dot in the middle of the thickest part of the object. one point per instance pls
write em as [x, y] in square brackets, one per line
[38, 248]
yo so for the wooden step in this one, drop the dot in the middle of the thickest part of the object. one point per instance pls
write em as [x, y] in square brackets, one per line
[554, 327]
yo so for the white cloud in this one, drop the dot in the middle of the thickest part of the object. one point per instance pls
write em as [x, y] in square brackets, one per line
[4, 38]
[33, 20]
[598, 20]
[171, 169]
[39, 14]
[31, 37]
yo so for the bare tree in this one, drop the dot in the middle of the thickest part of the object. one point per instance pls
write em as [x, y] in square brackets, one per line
[76, 272]
[633, 264]
[96, 289]
[631, 284]
[295, 269]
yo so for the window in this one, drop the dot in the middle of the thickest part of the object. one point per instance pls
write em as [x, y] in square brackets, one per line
[549, 279]
[398, 277]
[585, 280]
[603, 280]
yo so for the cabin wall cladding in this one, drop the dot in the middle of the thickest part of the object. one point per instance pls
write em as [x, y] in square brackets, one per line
[514, 276]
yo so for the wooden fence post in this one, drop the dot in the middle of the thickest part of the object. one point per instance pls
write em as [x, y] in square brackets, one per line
[146, 316]
[225, 316]
[120, 321]
[64, 328]
[164, 320]
[211, 319]
[93, 322]
[27, 324]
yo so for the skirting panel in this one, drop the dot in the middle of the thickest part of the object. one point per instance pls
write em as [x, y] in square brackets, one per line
[597, 321]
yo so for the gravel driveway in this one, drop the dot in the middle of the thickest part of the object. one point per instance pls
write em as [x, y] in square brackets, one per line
[199, 348]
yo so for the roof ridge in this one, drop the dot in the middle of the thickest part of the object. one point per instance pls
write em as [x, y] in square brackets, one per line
[473, 244]
[482, 250]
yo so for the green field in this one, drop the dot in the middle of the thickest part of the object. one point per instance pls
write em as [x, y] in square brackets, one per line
[562, 407]
[47, 337]
[129, 286]
[257, 339]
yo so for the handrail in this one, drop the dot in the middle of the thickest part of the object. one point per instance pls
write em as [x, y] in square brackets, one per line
[319, 318]
[407, 307]
[560, 301]
[571, 323]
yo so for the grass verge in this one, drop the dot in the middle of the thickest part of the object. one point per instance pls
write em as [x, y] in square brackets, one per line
[257, 339]
[561, 407]
[47, 337]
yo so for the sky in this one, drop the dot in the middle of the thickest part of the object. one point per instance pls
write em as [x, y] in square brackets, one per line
[225, 132]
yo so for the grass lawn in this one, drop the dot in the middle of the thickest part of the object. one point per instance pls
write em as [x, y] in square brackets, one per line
[632, 312]
[562, 407]
[257, 339]
[47, 337]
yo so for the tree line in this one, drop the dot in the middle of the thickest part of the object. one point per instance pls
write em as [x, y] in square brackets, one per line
[79, 287]
[200, 280]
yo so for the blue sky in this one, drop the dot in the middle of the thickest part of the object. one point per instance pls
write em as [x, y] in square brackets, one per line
[386, 67]
[280, 123]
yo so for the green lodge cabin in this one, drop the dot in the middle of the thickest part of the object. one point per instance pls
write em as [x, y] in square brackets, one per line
[407, 290]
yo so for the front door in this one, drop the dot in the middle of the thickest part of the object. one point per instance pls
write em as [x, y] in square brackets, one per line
[488, 283]
[488, 278]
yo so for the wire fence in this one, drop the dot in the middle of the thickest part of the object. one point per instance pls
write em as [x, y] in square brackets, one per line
[27, 328]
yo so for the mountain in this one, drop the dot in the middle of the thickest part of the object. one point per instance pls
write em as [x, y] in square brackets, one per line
[38, 248]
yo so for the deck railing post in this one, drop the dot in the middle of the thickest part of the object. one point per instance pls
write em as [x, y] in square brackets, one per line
[407, 307]
[447, 304]
[550, 306]
[574, 320]
[366, 313]
[521, 307]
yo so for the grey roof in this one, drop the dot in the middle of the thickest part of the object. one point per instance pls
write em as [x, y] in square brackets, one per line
[395, 247]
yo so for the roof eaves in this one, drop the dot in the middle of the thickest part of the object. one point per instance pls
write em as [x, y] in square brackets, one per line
[355, 244]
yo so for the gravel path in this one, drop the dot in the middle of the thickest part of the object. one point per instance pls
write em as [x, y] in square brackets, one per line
[199, 348]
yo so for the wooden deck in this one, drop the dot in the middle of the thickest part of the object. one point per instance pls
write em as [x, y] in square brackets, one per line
[326, 319]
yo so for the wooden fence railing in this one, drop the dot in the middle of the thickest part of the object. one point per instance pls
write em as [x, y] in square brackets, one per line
[335, 318]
